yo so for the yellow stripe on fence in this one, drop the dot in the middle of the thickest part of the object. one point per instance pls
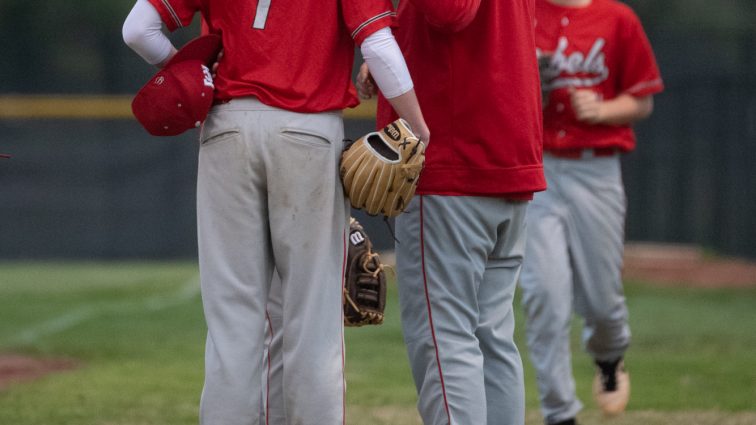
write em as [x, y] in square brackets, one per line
[116, 107]
[65, 107]
[364, 111]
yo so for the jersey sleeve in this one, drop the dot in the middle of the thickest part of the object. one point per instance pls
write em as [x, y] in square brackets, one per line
[176, 13]
[364, 17]
[448, 15]
[639, 73]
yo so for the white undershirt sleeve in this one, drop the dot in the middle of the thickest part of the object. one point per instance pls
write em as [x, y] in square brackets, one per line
[142, 31]
[386, 63]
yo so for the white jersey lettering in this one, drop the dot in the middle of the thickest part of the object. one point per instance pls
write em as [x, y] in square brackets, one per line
[261, 14]
[594, 64]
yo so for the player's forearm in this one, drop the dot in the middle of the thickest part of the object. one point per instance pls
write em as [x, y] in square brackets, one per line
[407, 107]
[448, 15]
[142, 31]
[626, 109]
[389, 70]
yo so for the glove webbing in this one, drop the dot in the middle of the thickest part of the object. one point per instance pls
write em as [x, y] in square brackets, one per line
[367, 261]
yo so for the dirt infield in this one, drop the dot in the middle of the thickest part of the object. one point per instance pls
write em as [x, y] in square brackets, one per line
[16, 369]
[683, 265]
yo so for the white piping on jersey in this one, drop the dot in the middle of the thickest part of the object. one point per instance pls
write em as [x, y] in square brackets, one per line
[370, 21]
[173, 13]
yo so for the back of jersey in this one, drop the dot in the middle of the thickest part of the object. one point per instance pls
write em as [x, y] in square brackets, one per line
[478, 87]
[293, 54]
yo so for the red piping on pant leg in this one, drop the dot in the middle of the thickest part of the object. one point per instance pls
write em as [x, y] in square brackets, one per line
[267, 388]
[343, 356]
[430, 314]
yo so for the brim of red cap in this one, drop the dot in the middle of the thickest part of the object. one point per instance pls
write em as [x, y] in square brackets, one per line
[204, 49]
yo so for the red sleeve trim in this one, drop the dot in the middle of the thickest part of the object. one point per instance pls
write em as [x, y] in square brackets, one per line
[645, 88]
[167, 14]
[372, 25]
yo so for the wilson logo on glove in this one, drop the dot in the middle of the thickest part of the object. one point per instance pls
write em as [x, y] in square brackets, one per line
[392, 131]
[356, 238]
[380, 170]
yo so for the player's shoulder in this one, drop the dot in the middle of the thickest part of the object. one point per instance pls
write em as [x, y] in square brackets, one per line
[617, 9]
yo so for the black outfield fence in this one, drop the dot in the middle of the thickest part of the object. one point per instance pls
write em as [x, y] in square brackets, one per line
[693, 177]
[103, 188]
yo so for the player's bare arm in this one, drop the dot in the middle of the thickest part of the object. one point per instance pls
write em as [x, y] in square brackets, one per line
[571, 3]
[386, 69]
[624, 109]
[405, 107]
[402, 104]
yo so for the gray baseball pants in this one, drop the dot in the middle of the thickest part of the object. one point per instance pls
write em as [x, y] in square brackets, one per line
[573, 261]
[269, 197]
[458, 261]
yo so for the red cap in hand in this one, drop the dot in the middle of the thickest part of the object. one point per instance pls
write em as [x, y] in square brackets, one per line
[180, 95]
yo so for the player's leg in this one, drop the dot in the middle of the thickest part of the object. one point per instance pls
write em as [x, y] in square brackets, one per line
[597, 255]
[546, 284]
[309, 221]
[235, 267]
[597, 248]
[441, 253]
[504, 382]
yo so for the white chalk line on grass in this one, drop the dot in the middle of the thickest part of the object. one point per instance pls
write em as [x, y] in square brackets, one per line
[186, 292]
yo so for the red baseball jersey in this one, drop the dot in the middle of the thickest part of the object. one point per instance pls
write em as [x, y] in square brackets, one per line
[601, 47]
[292, 54]
[476, 77]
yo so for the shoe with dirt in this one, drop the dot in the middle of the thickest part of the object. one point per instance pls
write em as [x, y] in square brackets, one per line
[611, 387]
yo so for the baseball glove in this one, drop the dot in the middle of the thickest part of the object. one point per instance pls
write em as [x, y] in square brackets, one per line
[381, 169]
[365, 281]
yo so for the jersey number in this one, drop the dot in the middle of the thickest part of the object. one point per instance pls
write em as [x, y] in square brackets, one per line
[261, 14]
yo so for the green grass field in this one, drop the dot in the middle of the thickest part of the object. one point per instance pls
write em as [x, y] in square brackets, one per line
[137, 333]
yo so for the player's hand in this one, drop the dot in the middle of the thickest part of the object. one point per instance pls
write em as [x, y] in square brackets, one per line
[214, 69]
[366, 87]
[587, 105]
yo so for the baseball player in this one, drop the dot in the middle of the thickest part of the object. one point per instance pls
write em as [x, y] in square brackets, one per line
[269, 195]
[599, 76]
[461, 240]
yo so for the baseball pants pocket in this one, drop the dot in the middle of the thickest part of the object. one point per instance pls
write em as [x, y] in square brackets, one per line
[222, 136]
[305, 137]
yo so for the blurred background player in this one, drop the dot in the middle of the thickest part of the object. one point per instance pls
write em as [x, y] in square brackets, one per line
[269, 195]
[460, 244]
[599, 76]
